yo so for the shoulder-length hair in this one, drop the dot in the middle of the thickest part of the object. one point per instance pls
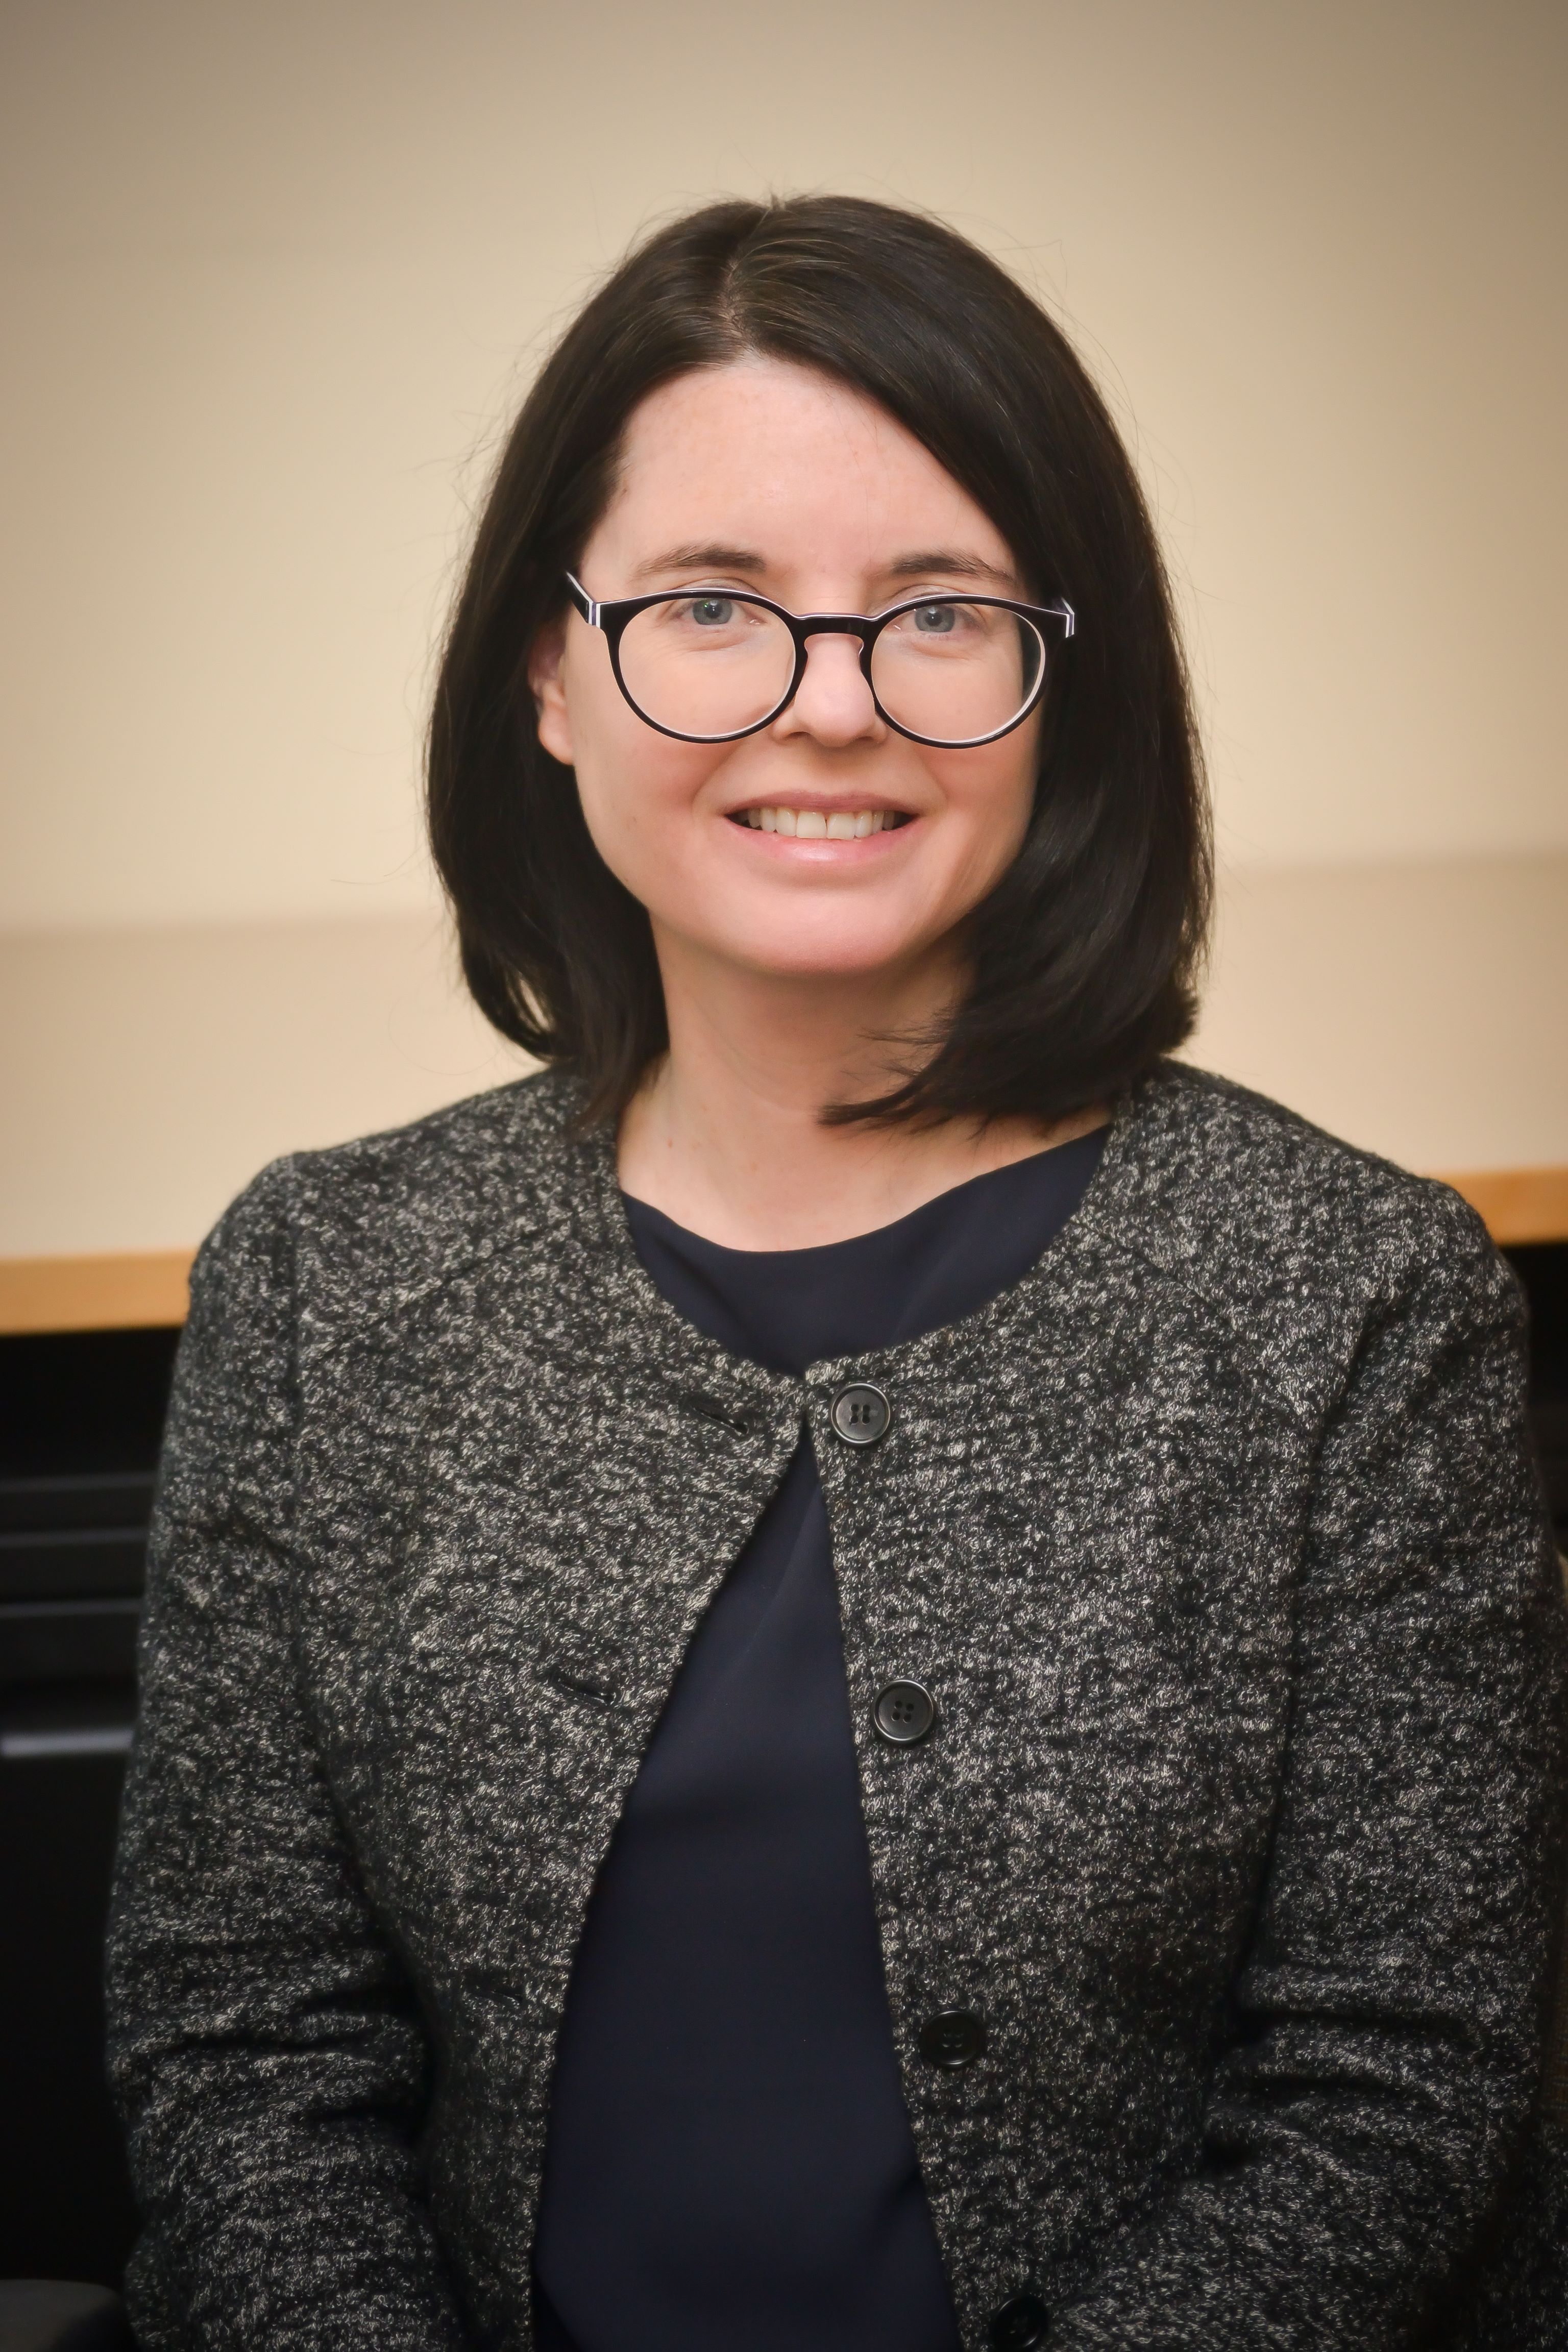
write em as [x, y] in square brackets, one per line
[1085, 952]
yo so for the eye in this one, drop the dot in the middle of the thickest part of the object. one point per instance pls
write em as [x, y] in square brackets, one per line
[712, 612]
[935, 620]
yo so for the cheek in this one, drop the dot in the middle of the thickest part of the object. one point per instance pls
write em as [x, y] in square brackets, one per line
[635, 786]
[992, 794]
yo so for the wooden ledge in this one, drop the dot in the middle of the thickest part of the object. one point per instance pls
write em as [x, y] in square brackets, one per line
[139, 1287]
[1519, 1204]
[129, 1290]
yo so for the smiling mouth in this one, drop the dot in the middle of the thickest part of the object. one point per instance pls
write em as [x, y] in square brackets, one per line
[820, 824]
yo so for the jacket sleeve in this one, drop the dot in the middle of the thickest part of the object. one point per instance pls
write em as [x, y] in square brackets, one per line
[265, 2048]
[1376, 2082]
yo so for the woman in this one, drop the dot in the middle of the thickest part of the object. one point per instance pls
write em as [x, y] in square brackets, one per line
[867, 1669]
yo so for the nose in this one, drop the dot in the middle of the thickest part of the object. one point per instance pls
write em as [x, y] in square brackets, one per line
[833, 704]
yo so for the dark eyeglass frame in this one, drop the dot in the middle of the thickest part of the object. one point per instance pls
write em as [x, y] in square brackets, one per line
[612, 619]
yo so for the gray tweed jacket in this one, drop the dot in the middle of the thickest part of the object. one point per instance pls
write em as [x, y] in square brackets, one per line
[1216, 1539]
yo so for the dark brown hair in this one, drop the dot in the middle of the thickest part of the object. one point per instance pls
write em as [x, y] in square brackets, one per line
[1085, 951]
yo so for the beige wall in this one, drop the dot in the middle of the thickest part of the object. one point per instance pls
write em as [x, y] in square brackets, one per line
[270, 276]
[152, 1071]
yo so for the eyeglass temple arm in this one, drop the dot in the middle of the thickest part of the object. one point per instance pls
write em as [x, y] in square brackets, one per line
[585, 602]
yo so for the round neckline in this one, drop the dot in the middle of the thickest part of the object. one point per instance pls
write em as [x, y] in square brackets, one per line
[1109, 1197]
[820, 1253]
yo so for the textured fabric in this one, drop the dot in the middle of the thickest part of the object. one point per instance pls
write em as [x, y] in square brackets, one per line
[1215, 1537]
[729, 2157]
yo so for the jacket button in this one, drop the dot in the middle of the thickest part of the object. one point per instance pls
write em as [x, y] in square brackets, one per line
[904, 1713]
[860, 1414]
[952, 2039]
[1020, 2324]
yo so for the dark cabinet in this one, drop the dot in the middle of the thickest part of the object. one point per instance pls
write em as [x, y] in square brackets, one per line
[1542, 1267]
[80, 1415]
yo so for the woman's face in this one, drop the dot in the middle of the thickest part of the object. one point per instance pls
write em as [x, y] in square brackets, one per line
[768, 476]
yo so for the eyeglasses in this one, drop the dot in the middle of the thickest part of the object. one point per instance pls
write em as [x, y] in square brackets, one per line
[709, 665]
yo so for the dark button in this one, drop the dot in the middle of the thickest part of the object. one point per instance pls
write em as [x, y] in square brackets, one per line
[860, 1414]
[1020, 2324]
[952, 2038]
[904, 1713]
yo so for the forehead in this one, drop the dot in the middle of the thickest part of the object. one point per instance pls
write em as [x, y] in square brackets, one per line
[766, 454]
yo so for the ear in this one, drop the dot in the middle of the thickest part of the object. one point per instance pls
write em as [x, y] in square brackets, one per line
[544, 678]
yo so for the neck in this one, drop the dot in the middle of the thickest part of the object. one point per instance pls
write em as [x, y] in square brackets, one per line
[726, 1135]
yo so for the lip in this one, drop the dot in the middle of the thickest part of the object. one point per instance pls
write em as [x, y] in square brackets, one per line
[831, 852]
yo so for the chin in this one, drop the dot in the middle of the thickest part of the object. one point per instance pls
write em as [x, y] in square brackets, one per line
[858, 957]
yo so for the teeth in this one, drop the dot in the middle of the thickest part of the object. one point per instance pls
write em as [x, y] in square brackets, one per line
[812, 824]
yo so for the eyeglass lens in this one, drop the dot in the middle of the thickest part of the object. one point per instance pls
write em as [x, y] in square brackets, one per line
[713, 665]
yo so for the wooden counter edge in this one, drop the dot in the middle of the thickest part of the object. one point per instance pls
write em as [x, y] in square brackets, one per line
[127, 1290]
[139, 1287]
[1518, 1204]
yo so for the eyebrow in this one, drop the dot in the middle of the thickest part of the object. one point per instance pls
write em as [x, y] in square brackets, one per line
[710, 556]
[932, 560]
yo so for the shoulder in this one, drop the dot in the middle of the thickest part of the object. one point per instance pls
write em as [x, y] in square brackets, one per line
[357, 1231]
[1220, 1166]
[1300, 1242]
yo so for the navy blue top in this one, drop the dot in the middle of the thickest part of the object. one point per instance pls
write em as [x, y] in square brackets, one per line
[730, 2160]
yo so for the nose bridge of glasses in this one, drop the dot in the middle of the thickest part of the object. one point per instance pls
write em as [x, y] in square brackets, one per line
[834, 625]
[815, 625]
